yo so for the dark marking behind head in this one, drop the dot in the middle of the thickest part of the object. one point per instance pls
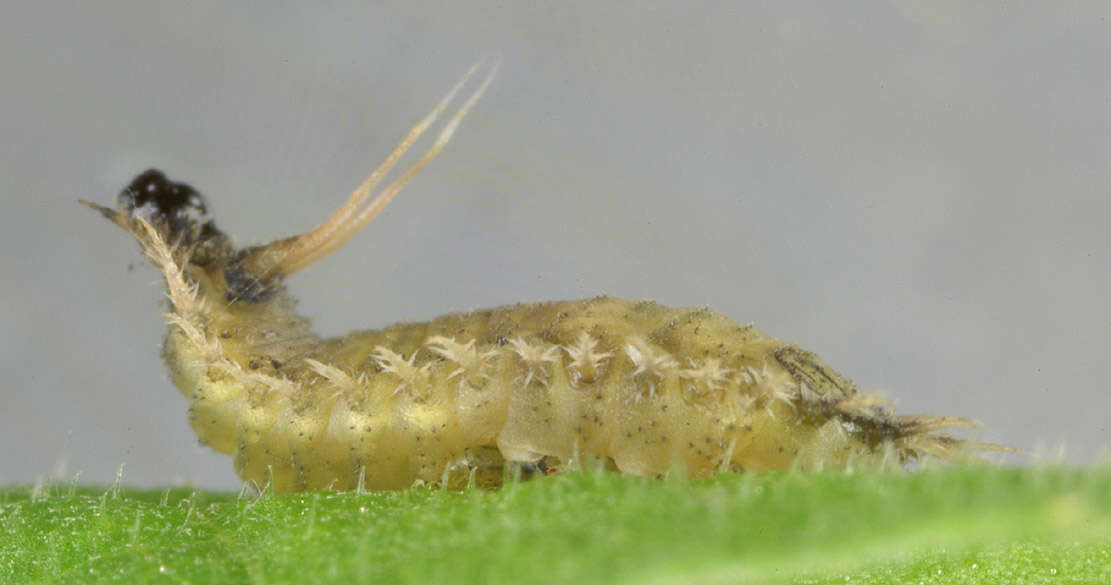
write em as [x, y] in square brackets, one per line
[246, 287]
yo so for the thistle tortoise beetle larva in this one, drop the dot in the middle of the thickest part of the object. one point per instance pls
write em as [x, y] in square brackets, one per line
[634, 386]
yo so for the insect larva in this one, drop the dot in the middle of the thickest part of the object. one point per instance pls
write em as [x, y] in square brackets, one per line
[640, 388]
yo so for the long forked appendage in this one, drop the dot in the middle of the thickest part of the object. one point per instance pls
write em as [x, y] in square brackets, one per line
[284, 257]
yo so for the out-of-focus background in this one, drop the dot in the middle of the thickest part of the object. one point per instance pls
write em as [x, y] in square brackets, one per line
[917, 191]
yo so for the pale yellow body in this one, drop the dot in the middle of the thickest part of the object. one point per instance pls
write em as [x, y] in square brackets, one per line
[631, 386]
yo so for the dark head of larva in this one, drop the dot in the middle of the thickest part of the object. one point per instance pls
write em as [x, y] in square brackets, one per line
[182, 212]
[157, 199]
[158, 211]
[176, 210]
[170, 219]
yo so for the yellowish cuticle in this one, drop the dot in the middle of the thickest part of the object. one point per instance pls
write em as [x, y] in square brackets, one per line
[638, 387]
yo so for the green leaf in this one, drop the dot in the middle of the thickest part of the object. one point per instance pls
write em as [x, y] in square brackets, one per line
[954, 525]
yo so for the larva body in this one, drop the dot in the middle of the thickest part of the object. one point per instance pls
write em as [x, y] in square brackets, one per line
[647, 387]
[634, 386]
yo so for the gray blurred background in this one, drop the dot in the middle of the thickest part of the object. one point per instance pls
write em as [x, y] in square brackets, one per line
[917, 191]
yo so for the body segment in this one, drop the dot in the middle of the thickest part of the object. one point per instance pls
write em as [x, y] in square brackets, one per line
[636, 386]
